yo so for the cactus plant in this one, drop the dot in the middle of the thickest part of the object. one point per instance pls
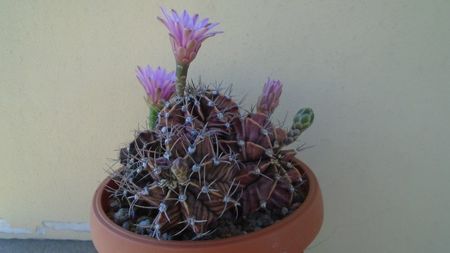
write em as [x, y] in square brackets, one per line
[203, 155]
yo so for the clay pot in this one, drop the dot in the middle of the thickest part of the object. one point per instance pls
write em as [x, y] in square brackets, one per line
[291, 234]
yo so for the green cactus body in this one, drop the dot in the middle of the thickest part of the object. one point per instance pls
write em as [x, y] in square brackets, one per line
[152, 116]
[303, 119]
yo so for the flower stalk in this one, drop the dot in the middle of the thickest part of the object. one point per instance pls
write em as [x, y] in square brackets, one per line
[181, 74]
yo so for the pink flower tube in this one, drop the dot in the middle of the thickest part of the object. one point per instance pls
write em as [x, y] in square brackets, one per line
[270, 97]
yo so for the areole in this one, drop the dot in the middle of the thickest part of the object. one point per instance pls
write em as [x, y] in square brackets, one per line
[291, 234]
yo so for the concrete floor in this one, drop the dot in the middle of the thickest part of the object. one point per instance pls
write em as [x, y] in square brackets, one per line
[46, 246]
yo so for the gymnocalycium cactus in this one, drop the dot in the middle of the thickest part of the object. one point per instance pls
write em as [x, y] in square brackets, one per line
[202, 155]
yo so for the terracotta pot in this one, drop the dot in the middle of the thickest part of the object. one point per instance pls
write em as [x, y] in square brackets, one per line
[291, 234]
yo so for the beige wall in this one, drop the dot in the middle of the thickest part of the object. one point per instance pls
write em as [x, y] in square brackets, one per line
[376, 72]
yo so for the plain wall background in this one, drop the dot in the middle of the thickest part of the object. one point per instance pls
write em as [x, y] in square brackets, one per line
[377, 74]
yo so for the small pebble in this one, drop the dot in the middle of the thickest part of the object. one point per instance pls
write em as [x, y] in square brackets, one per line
[126, 225]
[121, 216]
[143, 224]
[166, 236]
[114, 204]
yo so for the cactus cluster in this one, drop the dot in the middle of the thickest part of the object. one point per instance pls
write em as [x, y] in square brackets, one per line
[203, 156]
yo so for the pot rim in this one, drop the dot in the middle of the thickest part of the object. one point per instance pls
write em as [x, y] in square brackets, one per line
[100, 213]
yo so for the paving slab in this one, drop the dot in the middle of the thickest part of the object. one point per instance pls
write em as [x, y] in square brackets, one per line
[45, 246]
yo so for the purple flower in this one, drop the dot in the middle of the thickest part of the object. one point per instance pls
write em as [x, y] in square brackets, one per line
[270, 97]
[186, 34]
[158, 84]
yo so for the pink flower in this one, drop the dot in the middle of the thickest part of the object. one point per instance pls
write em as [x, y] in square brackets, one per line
[270, 97]
[186, 34]
[158, 84]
